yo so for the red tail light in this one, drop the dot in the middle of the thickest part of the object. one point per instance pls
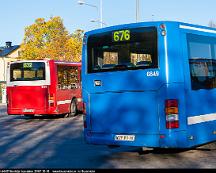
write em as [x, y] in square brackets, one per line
[51, 100]
[172, 114]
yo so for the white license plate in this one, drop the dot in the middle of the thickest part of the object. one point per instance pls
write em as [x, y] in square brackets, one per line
[124, 137]
[28, 110]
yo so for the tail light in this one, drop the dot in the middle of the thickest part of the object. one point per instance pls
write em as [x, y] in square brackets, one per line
[51, 100]
[172, 114]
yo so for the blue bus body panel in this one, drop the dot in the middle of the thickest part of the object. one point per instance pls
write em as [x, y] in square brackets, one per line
[124, 112]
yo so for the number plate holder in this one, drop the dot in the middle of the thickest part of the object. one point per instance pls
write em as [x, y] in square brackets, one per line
[28, 110]
[129, 138]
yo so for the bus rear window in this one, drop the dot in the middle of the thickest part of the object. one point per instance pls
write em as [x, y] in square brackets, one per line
[126, 49]
[27, 71]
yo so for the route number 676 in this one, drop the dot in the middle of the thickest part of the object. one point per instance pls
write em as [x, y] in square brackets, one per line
[123, 35]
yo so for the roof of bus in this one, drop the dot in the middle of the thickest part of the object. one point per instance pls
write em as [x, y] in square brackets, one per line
[68, 62]
[43, 60]
[151, 23]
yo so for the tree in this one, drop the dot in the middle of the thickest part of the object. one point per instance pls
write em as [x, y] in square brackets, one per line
[74, 46]
[50, 39]
[212, 24]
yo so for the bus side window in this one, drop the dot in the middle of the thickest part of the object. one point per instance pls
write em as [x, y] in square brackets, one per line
[68, 77]
[202, 63]
[73, 78]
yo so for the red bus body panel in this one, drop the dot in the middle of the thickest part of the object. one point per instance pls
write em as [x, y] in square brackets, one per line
[27, 100]
[35, 99]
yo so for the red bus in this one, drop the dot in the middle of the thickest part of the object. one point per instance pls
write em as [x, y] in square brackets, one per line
[44, 87]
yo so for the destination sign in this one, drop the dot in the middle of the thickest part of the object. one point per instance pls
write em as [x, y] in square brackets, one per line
[122, 35]
[27, 65]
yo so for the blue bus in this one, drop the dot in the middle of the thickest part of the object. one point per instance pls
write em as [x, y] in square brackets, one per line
[150, 84]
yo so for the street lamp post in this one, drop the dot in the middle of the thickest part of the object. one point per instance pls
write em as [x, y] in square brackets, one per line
[81, 2]
[137, 10]
[98, 21]
[152, 17]
[101, 13]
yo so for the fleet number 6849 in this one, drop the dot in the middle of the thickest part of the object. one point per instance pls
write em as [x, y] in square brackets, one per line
[152, 73]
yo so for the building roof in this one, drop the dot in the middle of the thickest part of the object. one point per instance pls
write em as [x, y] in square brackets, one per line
[4, 51]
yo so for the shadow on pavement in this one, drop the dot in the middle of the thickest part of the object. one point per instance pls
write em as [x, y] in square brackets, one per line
[46, 142]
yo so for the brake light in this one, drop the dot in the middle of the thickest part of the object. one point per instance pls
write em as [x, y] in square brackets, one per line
[172, 114]
[51, 100]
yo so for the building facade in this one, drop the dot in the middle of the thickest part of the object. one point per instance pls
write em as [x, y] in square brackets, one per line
[8, 53]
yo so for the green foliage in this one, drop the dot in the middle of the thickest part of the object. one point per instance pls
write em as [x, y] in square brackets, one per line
[50, 39]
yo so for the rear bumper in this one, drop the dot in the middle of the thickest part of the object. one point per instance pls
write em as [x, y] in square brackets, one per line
[171, 140]
[30, 112]
[109, 139]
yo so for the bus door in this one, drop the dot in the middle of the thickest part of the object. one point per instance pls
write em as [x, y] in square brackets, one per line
[122, 81]
[27, 87]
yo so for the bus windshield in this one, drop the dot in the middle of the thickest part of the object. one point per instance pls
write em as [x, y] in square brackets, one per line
[127, 49]
[27, 71]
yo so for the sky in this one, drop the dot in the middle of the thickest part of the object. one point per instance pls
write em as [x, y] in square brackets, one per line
[15, 15]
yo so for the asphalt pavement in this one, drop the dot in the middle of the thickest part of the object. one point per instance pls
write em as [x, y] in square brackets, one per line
[45, 142]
